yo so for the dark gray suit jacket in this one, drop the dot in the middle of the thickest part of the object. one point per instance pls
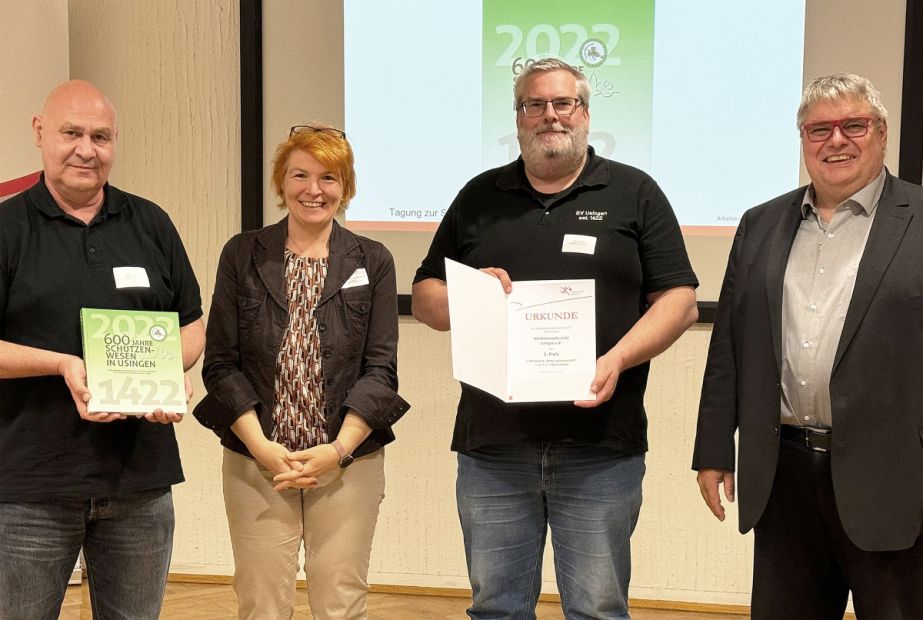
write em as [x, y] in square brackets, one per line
[876, 388]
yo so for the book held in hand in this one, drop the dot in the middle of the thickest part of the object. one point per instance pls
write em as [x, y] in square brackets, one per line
[134, 361]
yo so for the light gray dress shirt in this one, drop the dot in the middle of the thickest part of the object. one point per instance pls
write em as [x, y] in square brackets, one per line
[818, 286]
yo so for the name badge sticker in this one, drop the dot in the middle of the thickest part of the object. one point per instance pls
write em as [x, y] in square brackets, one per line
[580, 244]
[130, 277]
[359, 278]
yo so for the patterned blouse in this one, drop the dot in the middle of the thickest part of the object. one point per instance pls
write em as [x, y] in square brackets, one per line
[299, 395]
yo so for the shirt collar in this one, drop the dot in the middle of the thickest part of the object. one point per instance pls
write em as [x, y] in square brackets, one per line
[113, 202]
[594, 173]
[866, 199]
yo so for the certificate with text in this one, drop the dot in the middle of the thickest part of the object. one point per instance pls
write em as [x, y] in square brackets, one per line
[537, 344]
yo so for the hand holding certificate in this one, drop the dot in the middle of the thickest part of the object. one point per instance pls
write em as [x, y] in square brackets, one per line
[134, 361]
[536, 344]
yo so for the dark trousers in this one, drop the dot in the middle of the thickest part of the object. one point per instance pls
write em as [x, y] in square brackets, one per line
[805, 565]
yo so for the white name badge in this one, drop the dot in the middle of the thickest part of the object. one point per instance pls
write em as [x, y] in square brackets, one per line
[581, 244]
[358, 278]
[130, 277]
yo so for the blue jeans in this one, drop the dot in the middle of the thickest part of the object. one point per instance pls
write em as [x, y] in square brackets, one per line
[509, 495]
[127, 542]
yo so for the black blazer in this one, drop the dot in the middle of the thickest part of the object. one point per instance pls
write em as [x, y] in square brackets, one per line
[357, 325]
[876, 388]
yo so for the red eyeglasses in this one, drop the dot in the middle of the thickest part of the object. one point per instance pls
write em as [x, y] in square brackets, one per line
[854, 127]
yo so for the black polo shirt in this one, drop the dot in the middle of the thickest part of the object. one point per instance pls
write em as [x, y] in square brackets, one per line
[498, 220]
[52, 265]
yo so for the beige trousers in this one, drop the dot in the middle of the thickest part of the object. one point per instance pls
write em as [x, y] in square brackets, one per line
[336, 522]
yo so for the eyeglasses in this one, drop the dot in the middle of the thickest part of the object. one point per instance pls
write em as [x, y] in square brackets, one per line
[563, 106]
[310, 129]
[854, 127]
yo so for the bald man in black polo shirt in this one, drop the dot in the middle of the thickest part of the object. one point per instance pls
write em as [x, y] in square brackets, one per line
[70, 478]
[561, 212]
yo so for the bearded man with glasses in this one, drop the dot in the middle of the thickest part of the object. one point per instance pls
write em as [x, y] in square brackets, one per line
[817, 359]
[561, 212]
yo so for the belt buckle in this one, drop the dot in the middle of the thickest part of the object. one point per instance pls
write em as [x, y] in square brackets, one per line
[807, 438]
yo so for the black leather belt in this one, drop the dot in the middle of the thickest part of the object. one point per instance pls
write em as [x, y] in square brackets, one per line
[817, 439]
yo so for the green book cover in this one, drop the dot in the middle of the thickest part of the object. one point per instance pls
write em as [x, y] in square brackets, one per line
[134, 361]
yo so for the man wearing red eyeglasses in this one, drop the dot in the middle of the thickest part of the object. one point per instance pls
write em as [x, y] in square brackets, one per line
[817, 360]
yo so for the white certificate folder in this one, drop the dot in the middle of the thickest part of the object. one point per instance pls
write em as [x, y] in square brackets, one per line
[537, 344]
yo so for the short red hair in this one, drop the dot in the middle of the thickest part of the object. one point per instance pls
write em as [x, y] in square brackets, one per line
[332, 151]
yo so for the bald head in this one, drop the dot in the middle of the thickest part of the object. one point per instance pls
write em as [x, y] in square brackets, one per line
[76, 132]
[65, 95]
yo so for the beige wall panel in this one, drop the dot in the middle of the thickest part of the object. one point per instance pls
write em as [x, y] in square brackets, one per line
[33, 60]
[171, 67]
[679, 550]
[418, 540]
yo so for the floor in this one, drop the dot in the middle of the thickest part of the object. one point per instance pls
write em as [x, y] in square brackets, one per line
[186, 601]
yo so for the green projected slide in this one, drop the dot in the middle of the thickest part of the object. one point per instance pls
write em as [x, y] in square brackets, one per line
[610, 41]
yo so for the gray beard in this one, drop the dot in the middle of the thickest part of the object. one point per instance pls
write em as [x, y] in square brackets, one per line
[549, 161]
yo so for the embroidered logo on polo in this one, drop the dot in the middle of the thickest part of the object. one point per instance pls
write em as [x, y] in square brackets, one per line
[590, 216]
[299, 409]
